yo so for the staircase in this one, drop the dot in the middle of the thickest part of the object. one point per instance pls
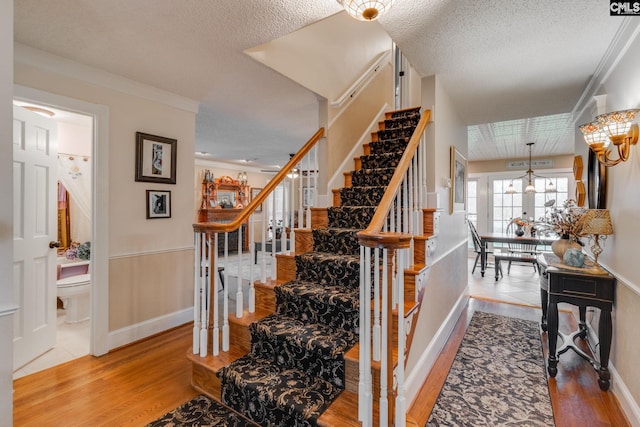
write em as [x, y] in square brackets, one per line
[297, 353]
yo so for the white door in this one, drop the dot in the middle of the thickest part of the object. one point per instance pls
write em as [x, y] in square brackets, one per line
[34, 227]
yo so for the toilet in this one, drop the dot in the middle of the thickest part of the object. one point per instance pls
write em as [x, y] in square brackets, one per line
[74, 289]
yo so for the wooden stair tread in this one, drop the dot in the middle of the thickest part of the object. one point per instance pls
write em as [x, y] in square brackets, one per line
[214, 363]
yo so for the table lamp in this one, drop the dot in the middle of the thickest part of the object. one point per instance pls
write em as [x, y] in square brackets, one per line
[596, 222]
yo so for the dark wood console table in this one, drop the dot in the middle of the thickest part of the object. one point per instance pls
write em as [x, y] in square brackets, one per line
[583, 288]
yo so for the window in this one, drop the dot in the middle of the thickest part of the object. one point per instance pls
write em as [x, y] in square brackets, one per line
[541, 198]
[530, 205]
[506, 206]
[472, 201]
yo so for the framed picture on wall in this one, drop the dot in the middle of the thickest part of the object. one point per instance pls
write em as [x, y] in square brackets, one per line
[158, 204]
[458, 196]
[155, 158]
[254, 193]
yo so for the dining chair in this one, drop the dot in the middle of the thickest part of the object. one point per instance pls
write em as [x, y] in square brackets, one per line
[477, 245]
[525, 249]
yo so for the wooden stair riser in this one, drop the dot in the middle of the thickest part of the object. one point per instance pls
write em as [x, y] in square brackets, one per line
[337, 198]
[206, 381]
[429, 221]
[347, 179]
[286, 267]
[319, 218]
[357, 163]
[265, 298]
[304, 240]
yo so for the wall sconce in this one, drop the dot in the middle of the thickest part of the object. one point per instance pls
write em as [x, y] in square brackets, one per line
[616, 127]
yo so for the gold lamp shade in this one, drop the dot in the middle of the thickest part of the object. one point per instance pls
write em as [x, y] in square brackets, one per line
[596, 222]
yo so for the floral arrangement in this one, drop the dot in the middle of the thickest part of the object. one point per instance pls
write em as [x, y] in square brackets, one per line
[522, 222]
[564, 221]
[79, 250]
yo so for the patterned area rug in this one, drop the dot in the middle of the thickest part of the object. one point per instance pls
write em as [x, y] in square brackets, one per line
[201, 411]
[497, 378]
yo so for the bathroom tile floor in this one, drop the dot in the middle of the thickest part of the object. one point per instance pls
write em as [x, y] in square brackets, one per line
[72, 341]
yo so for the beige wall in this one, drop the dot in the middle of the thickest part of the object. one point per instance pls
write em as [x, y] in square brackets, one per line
[488, 166]
[6, 214]
[446, 283]
[349, 124]
[623, 200]
[141, 242]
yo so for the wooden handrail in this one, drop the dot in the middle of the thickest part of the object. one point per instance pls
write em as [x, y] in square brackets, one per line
[216, 227]
[372, 236]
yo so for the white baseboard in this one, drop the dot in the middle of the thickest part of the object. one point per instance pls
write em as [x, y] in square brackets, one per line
[627, 403]
[618, 387]
[421, 370]
[149, 327]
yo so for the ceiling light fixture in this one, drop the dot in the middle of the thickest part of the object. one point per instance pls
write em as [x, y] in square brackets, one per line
[366, 10]
[616, 127]
[530, 188]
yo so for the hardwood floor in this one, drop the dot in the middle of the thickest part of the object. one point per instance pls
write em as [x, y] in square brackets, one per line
[136, 384]
[575, 395]
[130, 386]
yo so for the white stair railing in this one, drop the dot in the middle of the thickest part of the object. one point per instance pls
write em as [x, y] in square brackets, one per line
[398, 218]
[266, 224]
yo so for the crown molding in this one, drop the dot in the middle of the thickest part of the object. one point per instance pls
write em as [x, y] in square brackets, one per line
[45, 61]
[619, 46]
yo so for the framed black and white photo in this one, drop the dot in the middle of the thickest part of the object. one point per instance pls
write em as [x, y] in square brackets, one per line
[458, 197]
[158, 204]
[155, 158]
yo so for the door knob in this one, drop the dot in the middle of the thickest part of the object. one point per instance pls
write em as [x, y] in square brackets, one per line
[53, 244]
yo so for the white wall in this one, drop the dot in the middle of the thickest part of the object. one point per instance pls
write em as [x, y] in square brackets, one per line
[6, 213]
[446, 284]
[621, 84]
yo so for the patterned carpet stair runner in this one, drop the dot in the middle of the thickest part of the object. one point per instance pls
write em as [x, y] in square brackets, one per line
[296, 368]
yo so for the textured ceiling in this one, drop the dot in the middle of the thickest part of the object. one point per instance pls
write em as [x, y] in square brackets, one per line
[499, 60]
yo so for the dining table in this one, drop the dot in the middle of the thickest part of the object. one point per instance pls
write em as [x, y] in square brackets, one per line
[498, 237]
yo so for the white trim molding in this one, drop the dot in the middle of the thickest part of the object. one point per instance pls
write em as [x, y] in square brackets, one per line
[627, 403]
[145, 329]
[8, 311]
[428, 358]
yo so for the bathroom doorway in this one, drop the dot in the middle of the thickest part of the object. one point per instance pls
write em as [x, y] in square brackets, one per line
[75, 174]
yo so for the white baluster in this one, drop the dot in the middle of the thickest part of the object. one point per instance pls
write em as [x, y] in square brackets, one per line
[196, 293]
[365, 398]
[252, 254]
[265, 224]
[376, 308]
[384, 404]
[239, 294]
[213, 255]
[225, 297]
[204, 304]
[401, 404]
